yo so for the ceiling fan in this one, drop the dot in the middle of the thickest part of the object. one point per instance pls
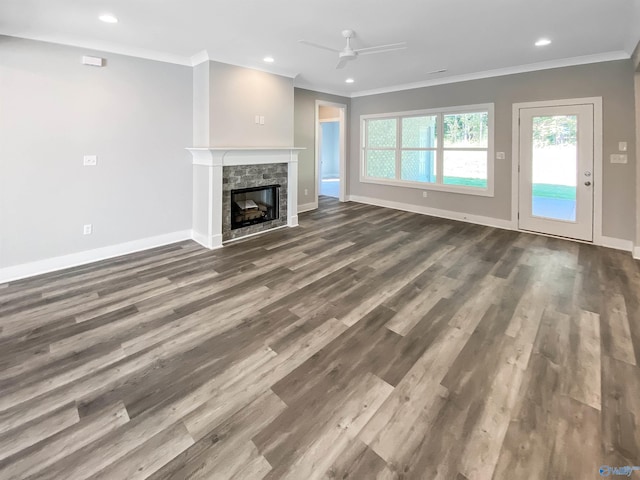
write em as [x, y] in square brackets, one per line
[349, 53]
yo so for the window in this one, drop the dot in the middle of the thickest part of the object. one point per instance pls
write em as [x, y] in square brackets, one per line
[445, 149]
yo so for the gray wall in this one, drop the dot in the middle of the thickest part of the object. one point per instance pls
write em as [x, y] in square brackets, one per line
[134, 114]
[237, 95]
[611, 80]
[305, 134]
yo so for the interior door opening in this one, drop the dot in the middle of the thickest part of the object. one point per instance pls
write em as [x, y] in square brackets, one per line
[330, 150]
[329, 156]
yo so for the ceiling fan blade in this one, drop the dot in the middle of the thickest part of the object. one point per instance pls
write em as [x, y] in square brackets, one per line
[322, 47]
[382, 48]
[342, 62]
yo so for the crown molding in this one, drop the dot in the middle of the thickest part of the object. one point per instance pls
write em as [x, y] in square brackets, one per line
[203, 56]
[320, 89]
[199, 58]
[531, 67]
[108, 47]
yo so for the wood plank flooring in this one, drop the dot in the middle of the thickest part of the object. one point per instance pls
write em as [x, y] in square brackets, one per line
[366, 344]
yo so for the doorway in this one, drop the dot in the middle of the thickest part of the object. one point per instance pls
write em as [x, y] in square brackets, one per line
[330, 150]
[329, 156]
[557, 178]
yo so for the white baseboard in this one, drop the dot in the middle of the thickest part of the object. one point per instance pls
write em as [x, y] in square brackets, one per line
[636, 252]
[307, 207]
[211, 243]
[39, 267]
[617, 243]
[435, 212]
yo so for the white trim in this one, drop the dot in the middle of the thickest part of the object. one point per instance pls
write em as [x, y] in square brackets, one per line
[212, 242]
[531, 67]
[597, 157]
[232, 156]
[198, 58]
[435, 212]
[16, 272]
[440, 149]
[616, 243]
[109, 47]
[636, 252]
[478, 192]
[320, 89]
[306, 207]
[329, 120]
[343, 148]
[203, 56]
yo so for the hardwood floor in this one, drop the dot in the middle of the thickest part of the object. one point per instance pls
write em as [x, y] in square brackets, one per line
[366, 344]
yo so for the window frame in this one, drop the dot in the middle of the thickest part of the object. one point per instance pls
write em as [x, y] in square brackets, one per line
[439, 184]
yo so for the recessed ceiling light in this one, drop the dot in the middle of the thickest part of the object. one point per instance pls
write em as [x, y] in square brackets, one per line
[108, 18]
[349, 80]
[543, 42]
[269, 59]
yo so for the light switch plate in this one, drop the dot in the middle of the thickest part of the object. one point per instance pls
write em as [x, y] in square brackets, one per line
[622, 146]
[500, 156]
[618, 158]
[90, 160]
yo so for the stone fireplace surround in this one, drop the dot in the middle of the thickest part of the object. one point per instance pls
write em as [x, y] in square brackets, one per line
[209, 188]
[247, 176]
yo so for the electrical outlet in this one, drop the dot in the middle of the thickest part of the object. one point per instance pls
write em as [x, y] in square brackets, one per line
[90, 160]
[306, 192]
[500, 156]
[88, 229]
[424, 194]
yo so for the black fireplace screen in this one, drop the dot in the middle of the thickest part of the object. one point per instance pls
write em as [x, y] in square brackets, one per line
[250, 206]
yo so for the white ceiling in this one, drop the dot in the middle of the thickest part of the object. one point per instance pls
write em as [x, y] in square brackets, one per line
[470, 38]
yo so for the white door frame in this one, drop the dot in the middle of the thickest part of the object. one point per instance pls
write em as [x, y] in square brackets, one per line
[597, 158]
[343, 147]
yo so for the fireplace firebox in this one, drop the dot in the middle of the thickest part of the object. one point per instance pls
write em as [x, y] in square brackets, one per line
[250, 206]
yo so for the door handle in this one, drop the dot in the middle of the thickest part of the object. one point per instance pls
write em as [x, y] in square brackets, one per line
[588, 184]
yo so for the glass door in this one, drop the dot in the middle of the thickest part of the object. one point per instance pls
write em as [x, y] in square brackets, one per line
[556, 171]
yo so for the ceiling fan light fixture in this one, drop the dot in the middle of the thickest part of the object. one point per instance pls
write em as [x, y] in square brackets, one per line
[348, 53]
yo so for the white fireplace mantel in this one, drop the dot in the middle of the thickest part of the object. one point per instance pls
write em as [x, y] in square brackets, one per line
[207, 184]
